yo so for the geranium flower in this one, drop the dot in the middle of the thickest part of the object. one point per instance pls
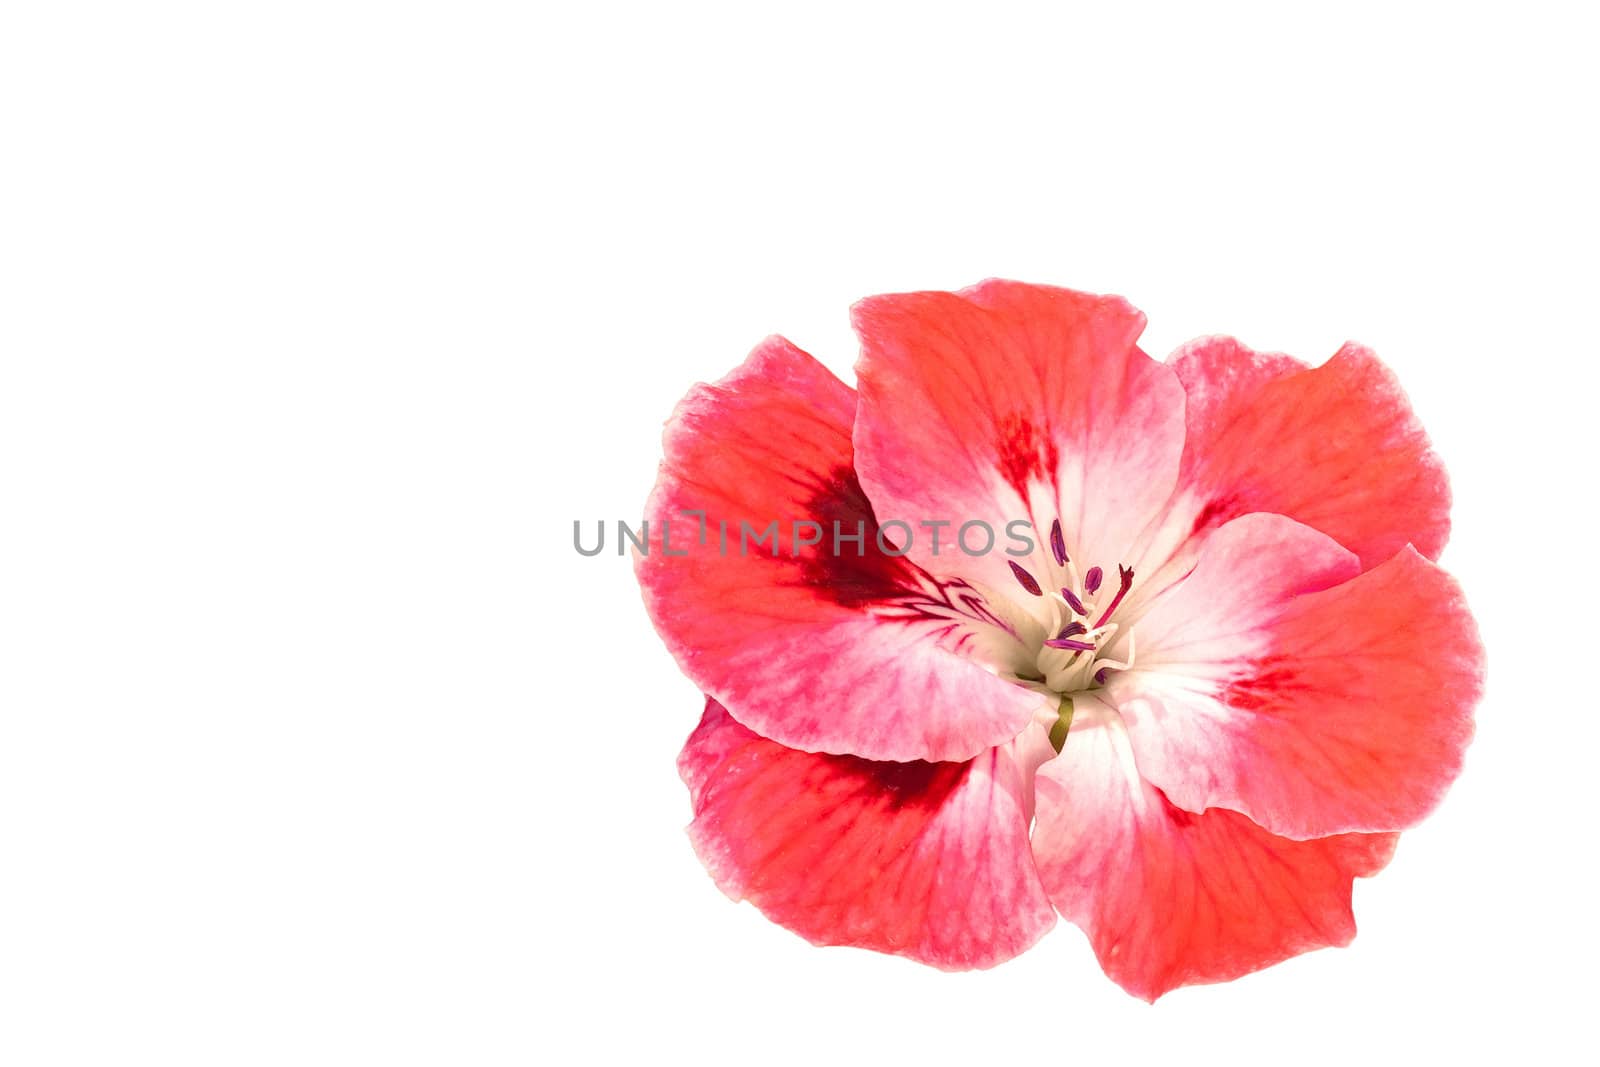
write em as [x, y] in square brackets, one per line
[1219, 677]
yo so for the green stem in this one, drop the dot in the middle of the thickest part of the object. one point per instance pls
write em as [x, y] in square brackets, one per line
[1058, 732]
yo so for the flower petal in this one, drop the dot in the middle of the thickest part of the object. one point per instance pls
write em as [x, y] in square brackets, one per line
[926, 860]
[818, 649]
[1336, 447]
[1170, 898]
[1315, 706]
[1016, 402]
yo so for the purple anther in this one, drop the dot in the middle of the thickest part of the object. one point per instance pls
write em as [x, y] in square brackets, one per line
[1025, 579]
[1067, 642]
[1091, 581]
[1058, 543]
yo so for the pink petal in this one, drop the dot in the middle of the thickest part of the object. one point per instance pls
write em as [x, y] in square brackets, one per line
[820, 651]
[1336, 447]
[926, 860]
[1016, 402]
[1170, 898]
[1316, 706]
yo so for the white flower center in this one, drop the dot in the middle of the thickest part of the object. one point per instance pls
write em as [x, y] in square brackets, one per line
[1078, 626]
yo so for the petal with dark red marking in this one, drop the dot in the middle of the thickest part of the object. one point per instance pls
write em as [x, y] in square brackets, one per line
[926, 860]
[1169, 897]
[1014, 402]
[854, 650]
[1279, 681]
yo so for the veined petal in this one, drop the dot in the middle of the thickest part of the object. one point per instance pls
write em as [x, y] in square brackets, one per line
[1169, 897]
[853, 650]
[1016, 402]
[1336, 447]
[926, 860]
[1268, 684]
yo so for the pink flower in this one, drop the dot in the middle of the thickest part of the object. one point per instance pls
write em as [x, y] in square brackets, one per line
[1220, 674]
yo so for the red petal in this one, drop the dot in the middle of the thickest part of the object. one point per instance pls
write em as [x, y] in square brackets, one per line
[1169, 898]
[1336, 447]
[926, 860]
[1314, 710]
[818, 650]
[1016, 402]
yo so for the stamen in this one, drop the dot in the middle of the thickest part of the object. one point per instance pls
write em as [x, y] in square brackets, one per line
[1058, 544]
[1073, 602]
[1072, 630]
[1091, 581]
[1126, 575]
[1110, 665]
[1115, 665]
[1067, 642]
[1024, 579]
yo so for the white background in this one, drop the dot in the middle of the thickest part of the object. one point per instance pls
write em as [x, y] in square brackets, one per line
[322, 322]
